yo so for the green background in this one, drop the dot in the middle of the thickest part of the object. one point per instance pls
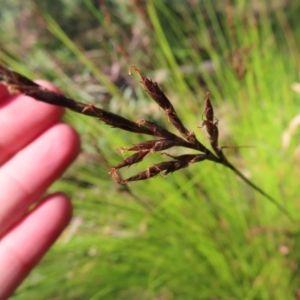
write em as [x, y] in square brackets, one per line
[200, 233]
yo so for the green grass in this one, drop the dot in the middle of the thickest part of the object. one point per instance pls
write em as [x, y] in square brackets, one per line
[200, 233]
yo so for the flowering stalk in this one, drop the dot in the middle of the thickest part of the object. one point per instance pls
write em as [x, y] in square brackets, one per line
[164, 139]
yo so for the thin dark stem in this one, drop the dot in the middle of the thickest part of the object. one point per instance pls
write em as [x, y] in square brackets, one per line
[258, 189]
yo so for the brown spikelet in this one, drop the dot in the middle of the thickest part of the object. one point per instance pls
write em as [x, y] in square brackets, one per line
[154, 145]
[133, 159]
[208, 109]
[160, 98]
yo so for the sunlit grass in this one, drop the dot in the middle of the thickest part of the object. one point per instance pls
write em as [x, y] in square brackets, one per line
[199, 233]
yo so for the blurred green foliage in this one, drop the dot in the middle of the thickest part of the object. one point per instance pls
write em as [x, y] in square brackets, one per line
[199, 233]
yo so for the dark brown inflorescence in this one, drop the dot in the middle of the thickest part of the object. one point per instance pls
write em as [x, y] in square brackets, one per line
[164, 139]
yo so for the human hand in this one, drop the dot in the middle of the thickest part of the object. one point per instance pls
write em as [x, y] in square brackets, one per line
[35, 149]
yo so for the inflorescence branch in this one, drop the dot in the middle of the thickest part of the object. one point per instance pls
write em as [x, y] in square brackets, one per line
[164, 139]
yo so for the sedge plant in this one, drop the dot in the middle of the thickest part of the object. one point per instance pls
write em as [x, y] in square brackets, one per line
[201, 232]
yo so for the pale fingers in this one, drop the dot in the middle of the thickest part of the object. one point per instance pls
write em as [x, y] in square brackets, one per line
[26, 176]
[29, 239]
